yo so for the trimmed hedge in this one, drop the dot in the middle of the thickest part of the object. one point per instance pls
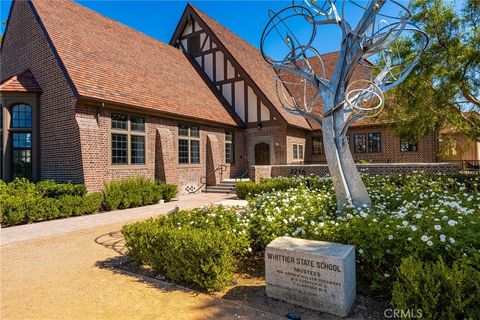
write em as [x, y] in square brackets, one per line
[136, 192]
[183, 253]
[33, 208]
[250, 189]
[439, 291]
[24, 202]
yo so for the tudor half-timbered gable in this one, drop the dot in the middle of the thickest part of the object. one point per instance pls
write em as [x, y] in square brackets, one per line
[195, 37]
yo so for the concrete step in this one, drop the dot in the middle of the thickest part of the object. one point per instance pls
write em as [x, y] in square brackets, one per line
[221, 188]
[233, 180]
[227, 184]
[218, 190]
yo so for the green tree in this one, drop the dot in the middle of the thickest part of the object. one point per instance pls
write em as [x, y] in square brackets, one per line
[444, 90]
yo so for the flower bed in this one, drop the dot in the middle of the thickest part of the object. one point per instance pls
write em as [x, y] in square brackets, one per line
[24, 202]
[418, 217]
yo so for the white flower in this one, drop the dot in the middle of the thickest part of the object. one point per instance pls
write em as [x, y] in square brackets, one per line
[451, 240]
[360, 251]
[452, 223]
[409, 239]
[424, 238]
[430, 243]
[442, 237]
[386, 275]
[437, 227]
[418, 215]
[414, 228]
[249, 249]
[405, 223]
[390, 237]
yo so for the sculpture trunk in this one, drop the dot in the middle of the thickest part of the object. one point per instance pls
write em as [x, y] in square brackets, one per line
[348, 184]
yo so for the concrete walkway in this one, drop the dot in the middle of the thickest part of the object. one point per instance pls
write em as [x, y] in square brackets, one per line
[62, 226]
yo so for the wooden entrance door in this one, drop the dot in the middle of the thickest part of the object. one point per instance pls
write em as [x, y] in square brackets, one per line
[262, 154]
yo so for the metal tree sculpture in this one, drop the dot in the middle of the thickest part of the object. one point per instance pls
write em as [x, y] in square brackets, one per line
[387, 46]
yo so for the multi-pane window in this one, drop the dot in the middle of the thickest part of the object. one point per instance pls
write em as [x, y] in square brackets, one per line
[297, 151]
[317, 146]
[188, 144]
[408, 145]
[359, 143]
[22, 155]
[119, 148]
[22, 116]
[128, 139]
[229, 151]
[374, 142]
[21, 139]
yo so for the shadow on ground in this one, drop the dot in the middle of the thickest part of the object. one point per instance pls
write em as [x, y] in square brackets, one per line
[248, 293]
[113, 240]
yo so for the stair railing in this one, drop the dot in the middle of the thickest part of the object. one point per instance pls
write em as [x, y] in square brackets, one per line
[203, 180]
[242, 176]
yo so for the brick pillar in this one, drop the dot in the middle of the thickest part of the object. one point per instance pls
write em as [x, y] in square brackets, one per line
[165, 160]
[214, 160]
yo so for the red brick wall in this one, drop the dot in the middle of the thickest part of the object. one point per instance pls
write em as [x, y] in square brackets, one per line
[390, 148]
[296, 136]
[25, 47]
[94, 123]
[274, 135]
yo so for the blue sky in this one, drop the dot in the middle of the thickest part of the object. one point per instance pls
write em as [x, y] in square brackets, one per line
[159, 18]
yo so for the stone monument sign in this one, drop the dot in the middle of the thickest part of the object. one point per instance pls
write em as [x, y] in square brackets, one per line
[315, 274]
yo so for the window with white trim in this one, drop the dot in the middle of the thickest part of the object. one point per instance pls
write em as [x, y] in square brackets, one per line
[297, 151]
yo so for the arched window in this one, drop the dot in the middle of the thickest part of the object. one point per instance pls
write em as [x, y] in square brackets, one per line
[21, 116]
[21, 131]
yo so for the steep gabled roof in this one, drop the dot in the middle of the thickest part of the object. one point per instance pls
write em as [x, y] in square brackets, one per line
[22, 82]
[110, 62]
[329, 63]
[252, 62]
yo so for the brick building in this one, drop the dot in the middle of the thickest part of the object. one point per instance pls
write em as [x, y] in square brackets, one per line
[87, 99]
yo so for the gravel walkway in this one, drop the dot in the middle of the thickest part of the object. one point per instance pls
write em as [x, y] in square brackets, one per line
[58, 277]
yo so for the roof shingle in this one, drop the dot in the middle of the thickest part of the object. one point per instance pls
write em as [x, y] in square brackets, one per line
[112, 62]
[22, 82]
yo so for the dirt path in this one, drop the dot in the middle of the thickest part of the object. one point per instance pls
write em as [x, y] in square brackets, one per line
[58, 278]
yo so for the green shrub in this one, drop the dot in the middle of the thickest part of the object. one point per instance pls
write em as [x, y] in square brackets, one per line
[135, 192]
[184, 254]
[250, 189]
[169, 191]
[440, 291]
[51, 189]
[21, 186]
[92, 202]
[113, 195]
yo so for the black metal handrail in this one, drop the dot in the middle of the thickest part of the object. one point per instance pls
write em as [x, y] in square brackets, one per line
[242, 176]
[203, 180]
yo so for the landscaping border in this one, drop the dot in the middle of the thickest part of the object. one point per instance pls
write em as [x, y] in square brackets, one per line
[270, 171]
